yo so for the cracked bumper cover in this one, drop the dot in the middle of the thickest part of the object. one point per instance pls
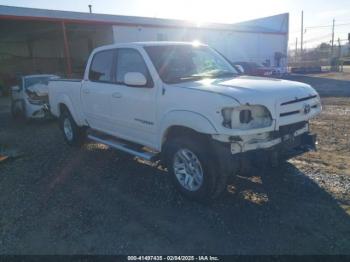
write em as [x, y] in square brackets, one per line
[232, 157]
[38, 111]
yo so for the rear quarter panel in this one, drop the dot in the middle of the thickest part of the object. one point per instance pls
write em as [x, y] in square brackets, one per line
[66, 92]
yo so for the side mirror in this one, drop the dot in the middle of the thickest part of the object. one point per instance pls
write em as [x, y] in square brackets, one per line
[135, 79]
[15, 89]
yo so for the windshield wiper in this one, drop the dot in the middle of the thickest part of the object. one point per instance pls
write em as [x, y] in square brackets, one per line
[185, 79]
[224, 74]
[193, 77]
[200, 77]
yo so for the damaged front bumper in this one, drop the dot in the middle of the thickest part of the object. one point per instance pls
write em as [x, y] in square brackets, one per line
[273, 139]
[276, 146]
[38, 111]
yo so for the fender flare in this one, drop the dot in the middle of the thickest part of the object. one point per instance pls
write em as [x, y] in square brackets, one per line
[187, 119]
[65, 100]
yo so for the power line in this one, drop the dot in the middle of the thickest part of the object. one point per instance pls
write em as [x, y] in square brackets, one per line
[322, 38]
[325, 26]
[317, 38]
[320, 27]
[293, 44]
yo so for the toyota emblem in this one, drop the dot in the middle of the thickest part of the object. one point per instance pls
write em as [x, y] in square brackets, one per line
[307, 109]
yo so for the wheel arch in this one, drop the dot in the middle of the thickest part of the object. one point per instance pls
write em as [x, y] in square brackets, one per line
[62, 107]
[65, 103]
[185, 123]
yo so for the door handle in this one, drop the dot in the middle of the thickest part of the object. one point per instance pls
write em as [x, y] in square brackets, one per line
[116, 95]
[86, 91]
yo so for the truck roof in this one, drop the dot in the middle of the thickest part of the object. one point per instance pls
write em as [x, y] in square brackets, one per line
[148, 43]
[39, 75]
[165, 43]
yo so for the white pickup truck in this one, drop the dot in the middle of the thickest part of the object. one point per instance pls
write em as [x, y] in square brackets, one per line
[185, 105]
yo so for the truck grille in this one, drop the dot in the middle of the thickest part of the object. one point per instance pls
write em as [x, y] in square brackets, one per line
[298, 100]
[303, 106]
[290, 113]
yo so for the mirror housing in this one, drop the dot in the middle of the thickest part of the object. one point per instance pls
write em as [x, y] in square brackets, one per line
[135, 79]
[15, 89]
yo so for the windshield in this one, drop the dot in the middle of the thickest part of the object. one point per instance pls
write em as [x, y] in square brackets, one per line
[180, 63]
[36, 80]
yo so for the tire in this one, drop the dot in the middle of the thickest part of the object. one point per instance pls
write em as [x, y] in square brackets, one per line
[72, 133]
[15, 113]
[19, 112]
[197, 187]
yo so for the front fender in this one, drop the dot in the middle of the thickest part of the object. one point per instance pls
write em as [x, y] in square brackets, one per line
[188, 119]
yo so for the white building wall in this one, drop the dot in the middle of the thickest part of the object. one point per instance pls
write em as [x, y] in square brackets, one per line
[236, 46]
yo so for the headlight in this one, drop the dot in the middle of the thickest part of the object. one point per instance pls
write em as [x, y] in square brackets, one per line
[246, 117]
[34, 99]
[227, 115]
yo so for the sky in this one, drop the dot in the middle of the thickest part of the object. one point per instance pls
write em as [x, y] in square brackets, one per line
[316, 12]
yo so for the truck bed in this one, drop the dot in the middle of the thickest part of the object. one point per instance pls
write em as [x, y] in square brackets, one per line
[67, 91]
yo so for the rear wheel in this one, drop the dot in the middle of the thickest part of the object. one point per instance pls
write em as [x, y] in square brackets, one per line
[194, 171]
[72, 133]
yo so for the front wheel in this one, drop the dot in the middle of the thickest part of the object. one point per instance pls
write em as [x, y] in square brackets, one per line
[193, 171]
[15, 111]
[73, 134]
[19, 111]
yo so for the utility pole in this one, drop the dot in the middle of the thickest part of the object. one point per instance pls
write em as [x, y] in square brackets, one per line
[90, 8]
[296, 49]
[349, 43]
[332, 38]
[340, 63]
[302, 33]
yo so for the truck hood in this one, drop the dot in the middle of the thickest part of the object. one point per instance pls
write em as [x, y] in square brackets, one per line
[254, 90]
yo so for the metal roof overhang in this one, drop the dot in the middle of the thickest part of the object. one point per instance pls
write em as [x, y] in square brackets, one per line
[31, 14]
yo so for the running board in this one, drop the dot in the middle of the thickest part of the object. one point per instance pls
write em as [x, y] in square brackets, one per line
[123, 147]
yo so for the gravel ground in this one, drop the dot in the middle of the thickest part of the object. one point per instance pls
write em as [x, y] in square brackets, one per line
[60, 200]
[333, 155]
[333, 84]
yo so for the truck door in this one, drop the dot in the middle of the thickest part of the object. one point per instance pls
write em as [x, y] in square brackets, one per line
[133, 108]
[97, 91]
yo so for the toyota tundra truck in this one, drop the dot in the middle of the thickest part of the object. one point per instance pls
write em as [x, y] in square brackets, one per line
[184, 105]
